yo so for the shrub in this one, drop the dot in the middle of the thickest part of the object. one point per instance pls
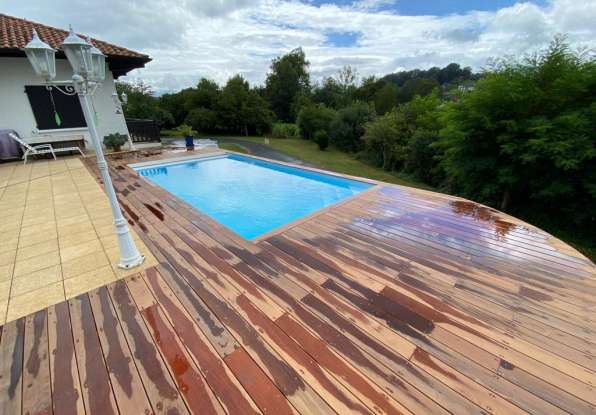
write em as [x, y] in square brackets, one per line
[313, 118]
[184, 130]
[284, 130]
[420, 156]
[115, 141]
[321, 137]
[347, 127]
[523, 140]
[202, 119]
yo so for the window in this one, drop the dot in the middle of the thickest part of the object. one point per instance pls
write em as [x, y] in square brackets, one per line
[67, 107]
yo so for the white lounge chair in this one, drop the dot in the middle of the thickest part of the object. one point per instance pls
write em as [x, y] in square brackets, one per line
[42, 148]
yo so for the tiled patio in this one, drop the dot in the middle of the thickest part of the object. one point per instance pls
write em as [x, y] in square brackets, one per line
[56, 235]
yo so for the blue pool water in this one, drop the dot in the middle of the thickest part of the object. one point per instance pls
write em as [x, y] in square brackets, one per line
[250, 196]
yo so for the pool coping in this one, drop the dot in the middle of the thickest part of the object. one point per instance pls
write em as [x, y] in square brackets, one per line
[375, 185]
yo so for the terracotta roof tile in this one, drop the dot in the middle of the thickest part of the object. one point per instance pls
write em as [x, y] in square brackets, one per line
[15, 33]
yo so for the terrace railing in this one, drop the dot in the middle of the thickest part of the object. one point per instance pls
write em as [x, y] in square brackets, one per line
[142, 131]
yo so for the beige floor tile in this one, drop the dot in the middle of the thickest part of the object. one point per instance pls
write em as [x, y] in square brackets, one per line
[86, 248]
[11, 222]
[35, 280]
[37, 220]
[36, 263]
[31, 251]
[6, 271]
[36, 196]
[109, 241]
[9, 235]
[40, 228]
[35, 300]
[45, 210]
[88, 281]
[74, 239]
[5, 289]
[105, 230]
[9, 244]
[7, 257]
[75, 228]
[37, 238]
[70, 212]
[103, 221]
[73, 220]
[84, 264]
[99, 212]
[3, 308]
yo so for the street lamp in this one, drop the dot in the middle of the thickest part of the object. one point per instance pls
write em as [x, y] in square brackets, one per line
[88, 65]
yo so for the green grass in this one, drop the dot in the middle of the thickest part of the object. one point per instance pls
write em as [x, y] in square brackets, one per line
[234, 147]
[334, 160]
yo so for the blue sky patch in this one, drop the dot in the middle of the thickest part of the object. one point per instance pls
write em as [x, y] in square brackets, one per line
[342, 39]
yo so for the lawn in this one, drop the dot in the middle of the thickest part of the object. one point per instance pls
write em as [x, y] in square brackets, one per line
[233, 147]
[333, 160]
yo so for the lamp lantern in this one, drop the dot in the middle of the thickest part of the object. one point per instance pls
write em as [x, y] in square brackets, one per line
[78, 53]
[42, 57]
[98, 63]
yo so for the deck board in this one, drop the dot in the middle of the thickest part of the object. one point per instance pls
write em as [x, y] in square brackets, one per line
[398, 301]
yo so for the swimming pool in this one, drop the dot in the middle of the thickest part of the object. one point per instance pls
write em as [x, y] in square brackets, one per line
[248, 195]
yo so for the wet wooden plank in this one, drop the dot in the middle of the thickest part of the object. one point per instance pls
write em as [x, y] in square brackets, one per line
[367, 391]
[11, 366]
[220, 379]
[126, 382]
[66, 386]
[97, 390]
[283, 375]
[160, 388]
[198, 396]
[261, 389]
[37, 396]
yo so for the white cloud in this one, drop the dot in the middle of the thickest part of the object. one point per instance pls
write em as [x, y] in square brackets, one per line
[190, 39]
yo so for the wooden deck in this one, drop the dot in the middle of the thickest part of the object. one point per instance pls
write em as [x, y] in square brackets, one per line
[399, 301]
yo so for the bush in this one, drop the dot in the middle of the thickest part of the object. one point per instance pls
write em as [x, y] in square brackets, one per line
[347, 127]
[202, 119]
[184, 130]
[313, 118]
[524, 139]
[321, 137]
[420, 157]
[284, 130]
[115, 141]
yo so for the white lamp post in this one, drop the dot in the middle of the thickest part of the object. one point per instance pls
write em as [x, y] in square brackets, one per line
[88, 65]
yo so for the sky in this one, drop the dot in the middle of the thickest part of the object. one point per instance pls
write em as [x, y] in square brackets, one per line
[191, 39]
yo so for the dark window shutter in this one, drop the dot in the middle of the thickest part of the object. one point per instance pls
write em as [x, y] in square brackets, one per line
[68, 108]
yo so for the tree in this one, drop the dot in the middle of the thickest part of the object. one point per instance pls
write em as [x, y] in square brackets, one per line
[241, 109]
[524, 139]
[142, 104]
[329, 93]
[368, 88]
[202, 119]
[385, 98]
[204, 95]
[414, 87]
[394, 140]
[347, 127]
[313, 118]
[287, 79]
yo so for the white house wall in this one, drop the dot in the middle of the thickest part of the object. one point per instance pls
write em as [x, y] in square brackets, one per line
[16, 112]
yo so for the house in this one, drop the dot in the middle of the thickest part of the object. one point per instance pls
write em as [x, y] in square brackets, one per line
[39, 114]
